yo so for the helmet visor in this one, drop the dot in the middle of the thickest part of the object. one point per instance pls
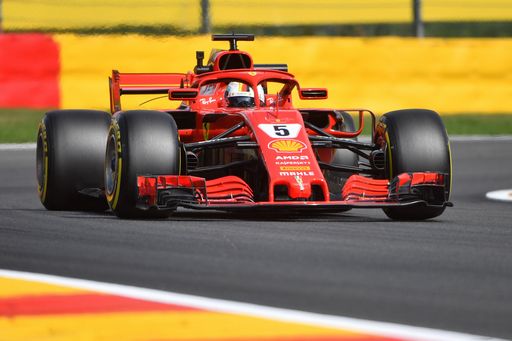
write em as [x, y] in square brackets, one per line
[241, 101]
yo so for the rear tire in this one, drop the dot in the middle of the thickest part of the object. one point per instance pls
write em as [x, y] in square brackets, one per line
[140, 142]
[69, 158]
[414, 140]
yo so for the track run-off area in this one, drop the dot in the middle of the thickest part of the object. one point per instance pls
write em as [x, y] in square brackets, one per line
[216, 276]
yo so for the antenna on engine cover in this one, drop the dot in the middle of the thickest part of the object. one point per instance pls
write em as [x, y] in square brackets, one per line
[233, 38]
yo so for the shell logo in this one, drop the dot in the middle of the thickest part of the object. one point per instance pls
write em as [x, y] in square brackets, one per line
[287, 146]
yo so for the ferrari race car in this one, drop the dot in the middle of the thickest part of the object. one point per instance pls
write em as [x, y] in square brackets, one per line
[237, 143]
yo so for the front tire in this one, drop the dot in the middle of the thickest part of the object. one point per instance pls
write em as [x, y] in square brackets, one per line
[414, 140]
[69, 158]
[140, 142]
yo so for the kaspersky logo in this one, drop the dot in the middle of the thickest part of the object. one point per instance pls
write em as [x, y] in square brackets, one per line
[287, 146]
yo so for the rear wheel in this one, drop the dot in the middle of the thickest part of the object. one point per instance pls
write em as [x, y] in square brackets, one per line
[69, 159]
[414, 140]
[140, 142]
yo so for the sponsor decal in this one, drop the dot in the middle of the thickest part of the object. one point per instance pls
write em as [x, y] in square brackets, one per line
[295, 168]
[298, 173]
[295, 163]
[287, 146]
[210, 100]
[281, 131]
[292, 157]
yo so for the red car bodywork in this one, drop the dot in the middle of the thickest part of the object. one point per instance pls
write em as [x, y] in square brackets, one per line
[294, 151]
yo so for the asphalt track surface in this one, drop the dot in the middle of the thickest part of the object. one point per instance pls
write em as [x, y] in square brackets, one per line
[452, 273]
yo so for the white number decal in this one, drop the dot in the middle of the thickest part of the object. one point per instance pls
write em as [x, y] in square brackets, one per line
[278, 131]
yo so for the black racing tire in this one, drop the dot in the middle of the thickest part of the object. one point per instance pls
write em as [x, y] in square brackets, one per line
[343, 157]
[70, 154]
[415, 140]
[140, 142]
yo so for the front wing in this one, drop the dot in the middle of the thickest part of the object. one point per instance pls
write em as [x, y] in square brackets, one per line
[230, 193]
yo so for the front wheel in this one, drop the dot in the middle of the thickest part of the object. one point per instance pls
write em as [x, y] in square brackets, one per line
[140, 142]
[414, 140]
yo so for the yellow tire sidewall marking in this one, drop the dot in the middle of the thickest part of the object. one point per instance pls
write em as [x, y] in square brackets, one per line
[42, 191]
[206, 131]
[113, 197]
[116, 197]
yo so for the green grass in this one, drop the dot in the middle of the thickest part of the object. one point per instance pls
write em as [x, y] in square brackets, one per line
[475, 124]
[470, 124]
[20, 125]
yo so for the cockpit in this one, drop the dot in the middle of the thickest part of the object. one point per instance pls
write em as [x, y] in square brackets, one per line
[240, 93]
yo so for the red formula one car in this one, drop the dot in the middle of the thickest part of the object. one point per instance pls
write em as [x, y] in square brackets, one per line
[235, 143]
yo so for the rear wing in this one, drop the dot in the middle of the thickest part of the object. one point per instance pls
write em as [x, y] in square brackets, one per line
[141, 84]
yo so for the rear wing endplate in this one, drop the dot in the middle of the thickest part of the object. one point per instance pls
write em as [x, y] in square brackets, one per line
[141, 84]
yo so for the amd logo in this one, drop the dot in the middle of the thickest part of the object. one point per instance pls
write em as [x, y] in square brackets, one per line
[292, 157]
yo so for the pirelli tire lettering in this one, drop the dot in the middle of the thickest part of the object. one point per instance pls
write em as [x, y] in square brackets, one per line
[113, 164]
[42, 162]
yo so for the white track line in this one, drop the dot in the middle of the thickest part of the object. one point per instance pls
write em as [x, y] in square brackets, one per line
[501, 195]
[385, 329]
[17, 146]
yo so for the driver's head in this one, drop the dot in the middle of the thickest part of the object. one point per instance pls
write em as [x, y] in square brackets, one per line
[239, 95]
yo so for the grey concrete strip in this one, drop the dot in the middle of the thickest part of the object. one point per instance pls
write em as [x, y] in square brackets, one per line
[484, 138]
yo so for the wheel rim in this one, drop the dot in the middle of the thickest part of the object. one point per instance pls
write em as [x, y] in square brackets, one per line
[111, 166]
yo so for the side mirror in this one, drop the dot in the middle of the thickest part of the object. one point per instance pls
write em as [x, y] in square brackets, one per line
[182, 94]
[313, 93]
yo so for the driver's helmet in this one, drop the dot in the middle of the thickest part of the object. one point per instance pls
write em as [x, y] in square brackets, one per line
[239, 95]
